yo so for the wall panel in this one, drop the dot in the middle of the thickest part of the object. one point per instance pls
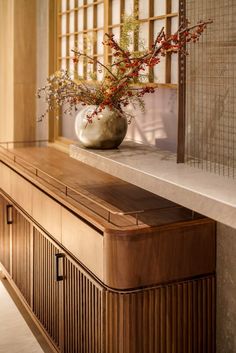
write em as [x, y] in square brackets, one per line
[6, 70]
[17, 69]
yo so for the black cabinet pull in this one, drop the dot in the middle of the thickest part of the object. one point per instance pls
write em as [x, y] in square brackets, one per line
[58, 256]
[9, 214]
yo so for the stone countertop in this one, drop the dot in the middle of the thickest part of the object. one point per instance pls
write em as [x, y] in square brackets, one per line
[157, 171]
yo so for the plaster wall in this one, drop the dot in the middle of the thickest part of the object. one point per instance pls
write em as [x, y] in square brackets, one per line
[226, 289]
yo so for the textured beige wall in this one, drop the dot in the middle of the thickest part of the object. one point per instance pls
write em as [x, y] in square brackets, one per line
[226, 289]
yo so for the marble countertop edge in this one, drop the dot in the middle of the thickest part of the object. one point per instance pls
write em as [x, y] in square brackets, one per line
[157, 171]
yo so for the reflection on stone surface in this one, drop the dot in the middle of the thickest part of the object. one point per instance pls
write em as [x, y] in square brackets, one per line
[128, 149]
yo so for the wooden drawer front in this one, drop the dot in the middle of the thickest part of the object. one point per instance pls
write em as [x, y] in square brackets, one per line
[16, 187]
[83, 242]
[21, 192]
[5, 176]
[161, 256]
[47, 213]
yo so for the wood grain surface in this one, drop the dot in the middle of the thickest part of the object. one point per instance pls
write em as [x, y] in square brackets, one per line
[163, 298]
[21, 254]
[5, 236]
[106, 191]
[169, 253]
[169, 243]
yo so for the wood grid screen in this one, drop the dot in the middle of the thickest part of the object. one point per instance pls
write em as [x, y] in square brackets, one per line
[210, 89]
[82, 24]
[152, 15]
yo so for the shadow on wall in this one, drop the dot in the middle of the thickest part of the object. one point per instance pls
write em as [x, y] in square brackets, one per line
[158, 125]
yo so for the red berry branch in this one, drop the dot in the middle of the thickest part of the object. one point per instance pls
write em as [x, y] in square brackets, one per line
[119, 85]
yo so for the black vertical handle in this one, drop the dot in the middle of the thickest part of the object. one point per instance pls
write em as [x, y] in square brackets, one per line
[9, 214]
[58, 256]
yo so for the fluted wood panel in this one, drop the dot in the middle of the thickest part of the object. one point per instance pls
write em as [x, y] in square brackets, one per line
[83, 312]
[176, 318]
[46, 300]
[21, 254]
[4, 236]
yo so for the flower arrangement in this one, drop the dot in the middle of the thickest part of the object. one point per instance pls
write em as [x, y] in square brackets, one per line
[119, 85]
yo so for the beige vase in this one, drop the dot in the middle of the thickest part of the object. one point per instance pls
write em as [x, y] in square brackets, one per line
[107, 130]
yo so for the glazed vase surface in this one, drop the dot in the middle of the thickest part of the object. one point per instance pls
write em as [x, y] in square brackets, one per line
[106, 131]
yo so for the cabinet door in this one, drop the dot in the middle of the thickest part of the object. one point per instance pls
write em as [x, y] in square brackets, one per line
[83, 320]
[47, 286]
[5, 242]
[21, 254]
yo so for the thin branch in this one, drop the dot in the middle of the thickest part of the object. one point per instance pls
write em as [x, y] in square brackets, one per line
[200, 24]
[96, 60]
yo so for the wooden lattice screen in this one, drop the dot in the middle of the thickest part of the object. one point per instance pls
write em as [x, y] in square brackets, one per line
[82, 24]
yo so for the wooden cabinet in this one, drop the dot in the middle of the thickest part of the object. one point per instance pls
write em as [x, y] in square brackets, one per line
[66, 301]
[100, 283]
[81, 315]
[5, 234]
